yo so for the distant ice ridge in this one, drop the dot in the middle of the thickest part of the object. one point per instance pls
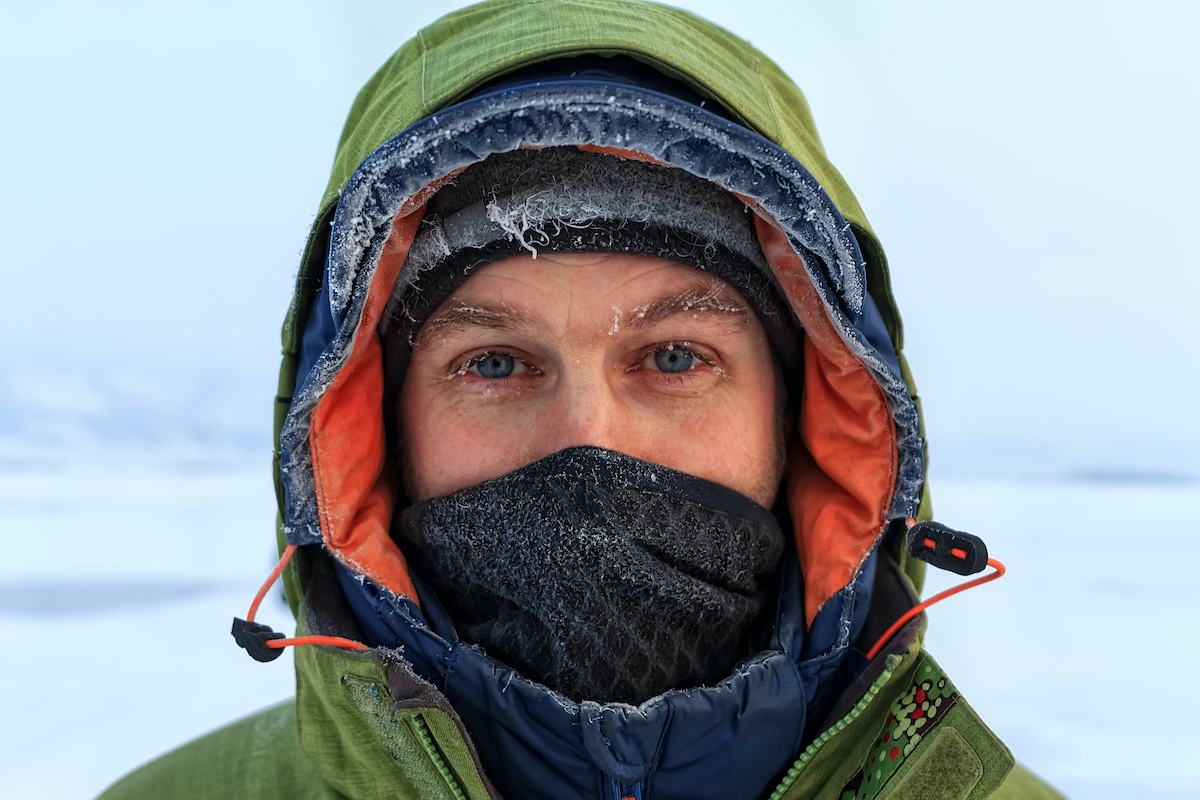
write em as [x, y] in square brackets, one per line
[1122, 458]
[70, 411]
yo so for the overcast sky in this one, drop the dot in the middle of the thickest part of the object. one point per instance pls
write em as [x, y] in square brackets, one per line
[1029, 166]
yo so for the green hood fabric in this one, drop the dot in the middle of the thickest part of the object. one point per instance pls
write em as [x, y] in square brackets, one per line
[362, 724]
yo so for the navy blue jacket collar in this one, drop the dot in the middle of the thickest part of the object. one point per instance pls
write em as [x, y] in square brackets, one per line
[730, 740]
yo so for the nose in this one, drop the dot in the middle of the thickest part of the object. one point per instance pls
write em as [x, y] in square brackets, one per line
[585, 411]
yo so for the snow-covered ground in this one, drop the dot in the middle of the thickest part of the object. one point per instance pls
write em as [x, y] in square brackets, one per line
[117, 589]
[120, 579]
[1081, 656]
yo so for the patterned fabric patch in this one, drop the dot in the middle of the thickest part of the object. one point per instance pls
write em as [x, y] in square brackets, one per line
[914, 714]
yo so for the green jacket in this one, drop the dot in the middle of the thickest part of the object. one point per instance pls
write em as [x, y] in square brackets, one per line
[363, 725]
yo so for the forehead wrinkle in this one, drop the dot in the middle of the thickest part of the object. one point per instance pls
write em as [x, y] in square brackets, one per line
[462, 315]
[707, 295]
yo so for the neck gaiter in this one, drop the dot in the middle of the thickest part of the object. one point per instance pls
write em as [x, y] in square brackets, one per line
[602, 576]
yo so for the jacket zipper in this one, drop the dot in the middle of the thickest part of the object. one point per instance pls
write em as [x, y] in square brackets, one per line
[810, 752]
[435, 755]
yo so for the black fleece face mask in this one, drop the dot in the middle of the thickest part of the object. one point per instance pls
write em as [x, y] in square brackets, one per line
[602, 576]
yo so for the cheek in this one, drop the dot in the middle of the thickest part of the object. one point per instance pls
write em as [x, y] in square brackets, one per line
[733, 443]
[730, 438]
[446, 447]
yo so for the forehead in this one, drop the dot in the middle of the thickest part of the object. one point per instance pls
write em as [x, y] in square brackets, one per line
[592, 294]
[589, 278]
[564, 289]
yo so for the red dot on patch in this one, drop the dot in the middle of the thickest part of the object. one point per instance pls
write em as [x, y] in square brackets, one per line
[887, 737]
[873, 759]
[891, 719]
[920, 712]
[895, 752]
[920, 695]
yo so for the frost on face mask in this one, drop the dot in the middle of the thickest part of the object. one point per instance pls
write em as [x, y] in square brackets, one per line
[602, 576]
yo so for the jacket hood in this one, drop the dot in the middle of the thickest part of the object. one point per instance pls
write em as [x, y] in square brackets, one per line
[439, 105]
[858, 462]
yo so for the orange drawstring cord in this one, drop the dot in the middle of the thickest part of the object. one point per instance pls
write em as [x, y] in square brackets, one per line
[288, 552]
[255, 637]
[336, 641]
[937, 598]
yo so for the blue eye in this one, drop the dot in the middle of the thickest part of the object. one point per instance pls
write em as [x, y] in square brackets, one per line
[673, 359]
[496, 365]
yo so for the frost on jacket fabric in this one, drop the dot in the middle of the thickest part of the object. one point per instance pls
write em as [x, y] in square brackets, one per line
[421, 713]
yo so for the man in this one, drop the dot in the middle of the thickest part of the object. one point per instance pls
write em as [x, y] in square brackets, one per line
[597, 446]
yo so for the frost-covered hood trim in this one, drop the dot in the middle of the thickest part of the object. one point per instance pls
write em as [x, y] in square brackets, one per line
[809, 244]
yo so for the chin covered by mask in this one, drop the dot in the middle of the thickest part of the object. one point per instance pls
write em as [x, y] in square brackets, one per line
[602, 576]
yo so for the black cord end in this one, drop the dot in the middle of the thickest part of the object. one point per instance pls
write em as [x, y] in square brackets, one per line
[946, 548]
[253, 637]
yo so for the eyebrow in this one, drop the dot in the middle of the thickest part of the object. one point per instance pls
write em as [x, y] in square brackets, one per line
[706, 297]
[481, 315]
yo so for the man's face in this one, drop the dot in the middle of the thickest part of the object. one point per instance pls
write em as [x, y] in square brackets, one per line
[642, 356]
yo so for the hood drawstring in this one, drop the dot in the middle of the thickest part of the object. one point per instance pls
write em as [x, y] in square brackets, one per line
[930, 542]
[265, 644]
[944, 548]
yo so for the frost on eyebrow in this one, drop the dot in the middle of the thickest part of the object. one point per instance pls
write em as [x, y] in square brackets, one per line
[616, 323]
[713, 299]
[461, 315]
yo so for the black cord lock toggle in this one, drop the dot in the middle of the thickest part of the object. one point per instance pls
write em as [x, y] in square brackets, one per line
[946, 548]
[253, 636]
